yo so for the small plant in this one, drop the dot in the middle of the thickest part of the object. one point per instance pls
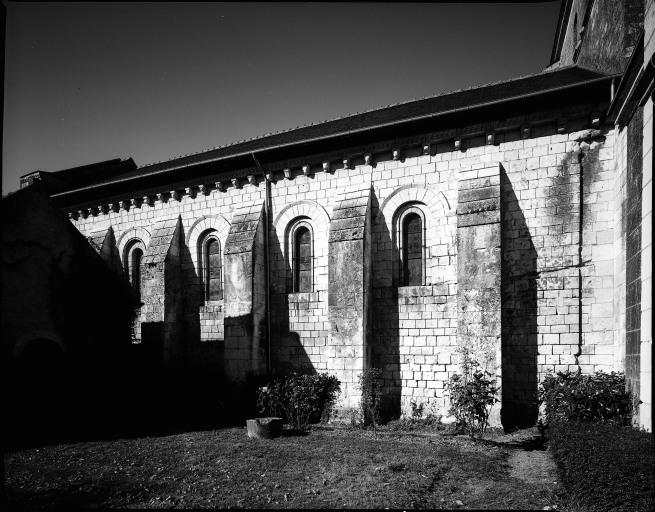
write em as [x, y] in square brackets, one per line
[472, 395]
[600, 397]
[300, 398]
[370, 384]
[430, 422]
[417, 410]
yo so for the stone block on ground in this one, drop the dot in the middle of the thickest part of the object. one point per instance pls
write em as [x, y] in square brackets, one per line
[264, 428]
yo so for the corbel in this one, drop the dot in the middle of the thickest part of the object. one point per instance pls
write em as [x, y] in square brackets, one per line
[346, 163]
[146, 200]
[395, 154]
[190, 191]
[525, 132]
[123, 205]
[252, 179]
[458, 144]
[113, 207]
[220, 186]
[306, 170]
[368, 159]
[426, 149]
[490, 139]
[561, 126]
[287, 174]
[326, 166]
[595, 120]
[175, 195]
[236, 182]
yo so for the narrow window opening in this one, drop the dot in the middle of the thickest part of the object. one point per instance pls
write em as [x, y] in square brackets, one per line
[302, 260]
[412, 256]
[135, 271]
[213, 269]
[132, 258]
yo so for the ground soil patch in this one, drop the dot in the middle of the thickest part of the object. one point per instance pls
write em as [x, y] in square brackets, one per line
[329, 468]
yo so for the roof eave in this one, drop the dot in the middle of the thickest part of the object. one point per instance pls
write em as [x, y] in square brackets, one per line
[371, 128]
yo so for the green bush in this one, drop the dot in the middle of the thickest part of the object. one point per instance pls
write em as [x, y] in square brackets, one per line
[300, 398]
[601, 397]
[371, 386]
[472, 394]
[603, 466]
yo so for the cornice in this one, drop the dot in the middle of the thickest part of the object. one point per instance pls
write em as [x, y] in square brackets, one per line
[348, 158]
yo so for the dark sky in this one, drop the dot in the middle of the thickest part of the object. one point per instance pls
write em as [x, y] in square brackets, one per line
[88, 82]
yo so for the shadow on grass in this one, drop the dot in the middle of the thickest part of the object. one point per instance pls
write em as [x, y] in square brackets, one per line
[538, 444]
[291, 432]
[145, 403]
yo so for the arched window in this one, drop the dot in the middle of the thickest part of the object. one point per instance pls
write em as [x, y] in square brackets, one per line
[132, 264]
[411, 236]
[302, 261]
[211, 266]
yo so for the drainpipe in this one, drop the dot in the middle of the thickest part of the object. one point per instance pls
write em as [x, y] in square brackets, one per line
[267, 262]
[581, 156]
[585, 144]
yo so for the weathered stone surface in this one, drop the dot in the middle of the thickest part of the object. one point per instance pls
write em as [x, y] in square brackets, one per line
[563, 199]
[244, 302]
[479, 286]
[348, 294]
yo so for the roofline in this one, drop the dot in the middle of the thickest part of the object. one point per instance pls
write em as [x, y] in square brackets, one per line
[560, 31]
[344, 133]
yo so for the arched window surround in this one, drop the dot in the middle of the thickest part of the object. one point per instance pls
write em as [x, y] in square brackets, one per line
[212, 287]
[295, 229]
[133, 254]
[403, 214]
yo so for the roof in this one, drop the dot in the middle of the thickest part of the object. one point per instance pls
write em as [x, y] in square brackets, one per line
[465, 100]
[560, 31]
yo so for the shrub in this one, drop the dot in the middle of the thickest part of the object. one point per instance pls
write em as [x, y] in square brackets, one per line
[604, 466]
[300, 398]
[472, 394]
[370, 384]
[600, 397]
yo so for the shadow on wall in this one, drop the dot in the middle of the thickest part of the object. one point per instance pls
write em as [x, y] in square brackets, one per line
[287, 352]
[519, 314]
[384, 338]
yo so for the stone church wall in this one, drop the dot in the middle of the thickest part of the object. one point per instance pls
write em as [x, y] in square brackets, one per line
[557, 305]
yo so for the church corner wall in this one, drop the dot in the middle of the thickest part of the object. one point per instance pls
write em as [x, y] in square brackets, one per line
[646, 327]
[646, 271]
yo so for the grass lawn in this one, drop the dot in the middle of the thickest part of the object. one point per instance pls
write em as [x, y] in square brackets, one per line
[329, 468]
